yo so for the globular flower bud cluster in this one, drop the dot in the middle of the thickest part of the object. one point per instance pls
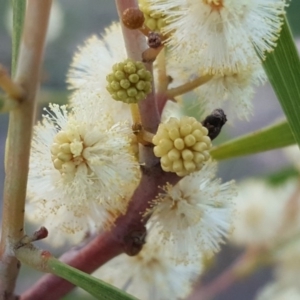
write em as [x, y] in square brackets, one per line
[153, 20]
[130, 82]
[183, 145]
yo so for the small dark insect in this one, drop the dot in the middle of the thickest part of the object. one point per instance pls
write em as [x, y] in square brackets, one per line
[214, 122]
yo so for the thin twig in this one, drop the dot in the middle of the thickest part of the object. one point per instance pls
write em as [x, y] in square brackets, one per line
[163, 79]
[18, 141]
[11, 88]
[189, 86]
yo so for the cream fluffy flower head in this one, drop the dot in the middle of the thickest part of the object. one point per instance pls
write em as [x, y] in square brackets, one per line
[152, 274]
[276, 291]
[287, 258]
[81, 162]
[260, 212]
[221, 35]
[182, 144]
[90, 66]
[237, 90]
[292, 153]
[195, 215]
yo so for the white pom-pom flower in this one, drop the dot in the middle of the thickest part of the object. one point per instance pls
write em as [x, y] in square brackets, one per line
[195, 215]
[152, 274]
[90, 66]
[236, 90]
[81, 163]
[277, 291]
[221, 35]
[261, 212]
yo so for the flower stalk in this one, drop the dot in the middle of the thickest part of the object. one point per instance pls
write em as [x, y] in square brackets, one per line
[188, 87]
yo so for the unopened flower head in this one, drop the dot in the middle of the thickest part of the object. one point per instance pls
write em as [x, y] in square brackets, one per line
[183, 145]
[90, 66]
[130, 81]
[194, 215]
[221, 35]
[153, 20]
[152, 274]
[82, 160]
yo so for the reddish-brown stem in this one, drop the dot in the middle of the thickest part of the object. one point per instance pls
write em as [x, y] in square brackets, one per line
[162, 99]
[127, 236]
[135, 43]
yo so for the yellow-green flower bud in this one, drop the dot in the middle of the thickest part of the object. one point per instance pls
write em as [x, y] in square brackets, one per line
[66, 152]
[182, 145]
[153, 20]
[130, 82]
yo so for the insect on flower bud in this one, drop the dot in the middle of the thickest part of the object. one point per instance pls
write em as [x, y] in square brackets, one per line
[154, 40]
[214, 122]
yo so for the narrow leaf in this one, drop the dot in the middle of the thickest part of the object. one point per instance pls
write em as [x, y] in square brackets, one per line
[283, 69]
[19, 7]
[269, 138]
[99, 289]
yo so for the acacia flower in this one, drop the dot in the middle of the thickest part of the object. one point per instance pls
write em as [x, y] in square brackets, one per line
[233, 90]
[221, 35]
[90, 66]
[260, 213]
[277, 291]
[152, 274]
[81, 162]
[194, 215]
